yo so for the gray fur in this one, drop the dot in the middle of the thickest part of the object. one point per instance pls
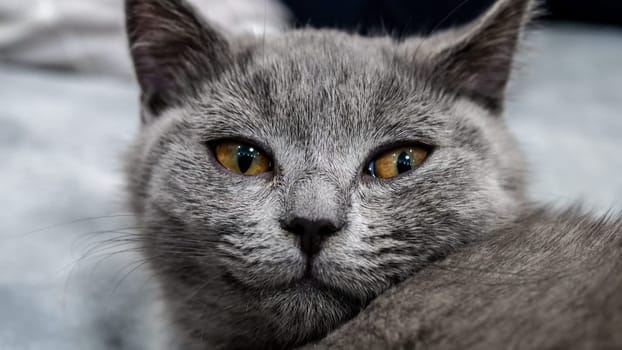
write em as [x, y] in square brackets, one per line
[549, 280]
[321, 104]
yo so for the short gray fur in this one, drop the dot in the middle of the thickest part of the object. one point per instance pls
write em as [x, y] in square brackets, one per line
[548, 280]
[321, 104]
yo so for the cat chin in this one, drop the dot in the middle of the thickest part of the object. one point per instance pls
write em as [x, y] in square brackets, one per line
[313, 307]
[276, 318]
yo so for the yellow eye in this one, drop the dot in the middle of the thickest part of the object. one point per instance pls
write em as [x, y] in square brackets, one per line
[397, 161]
[242, 158]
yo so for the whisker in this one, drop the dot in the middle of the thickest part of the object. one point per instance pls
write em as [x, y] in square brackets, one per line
[118, 284]
[439, 24]
[91, 237]
[451, 13]
[64, 224]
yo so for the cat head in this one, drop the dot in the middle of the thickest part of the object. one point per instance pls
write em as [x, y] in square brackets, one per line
[282, 183]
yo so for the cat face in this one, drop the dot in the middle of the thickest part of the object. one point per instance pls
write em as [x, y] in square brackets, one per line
[317, 230]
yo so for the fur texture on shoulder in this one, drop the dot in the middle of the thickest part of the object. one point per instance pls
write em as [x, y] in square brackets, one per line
[549, 280]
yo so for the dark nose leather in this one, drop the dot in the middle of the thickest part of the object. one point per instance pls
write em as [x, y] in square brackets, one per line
[311, 233]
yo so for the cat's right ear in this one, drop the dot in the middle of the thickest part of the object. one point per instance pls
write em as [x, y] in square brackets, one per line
[475, 60]
[174, 51]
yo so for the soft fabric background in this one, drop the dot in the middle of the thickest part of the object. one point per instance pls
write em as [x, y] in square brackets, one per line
[61, 190]
[88, 35]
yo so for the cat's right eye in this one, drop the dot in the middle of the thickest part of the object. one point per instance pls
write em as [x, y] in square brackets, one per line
[242, 158]
[396, 161]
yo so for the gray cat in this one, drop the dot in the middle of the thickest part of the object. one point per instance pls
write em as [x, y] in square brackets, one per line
[284, 183]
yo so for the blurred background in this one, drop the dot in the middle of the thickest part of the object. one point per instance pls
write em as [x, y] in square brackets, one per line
[69, 108]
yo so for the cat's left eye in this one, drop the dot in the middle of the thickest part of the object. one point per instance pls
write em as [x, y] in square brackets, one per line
[242, 158]
[396, 161]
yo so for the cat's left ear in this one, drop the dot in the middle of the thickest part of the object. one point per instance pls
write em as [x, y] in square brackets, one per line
[475, 61]
[174, 52]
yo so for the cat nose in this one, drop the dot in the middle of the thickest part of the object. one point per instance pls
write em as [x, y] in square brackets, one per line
[311, 233]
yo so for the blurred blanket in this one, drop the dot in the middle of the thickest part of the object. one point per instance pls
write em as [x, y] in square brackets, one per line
[89, 35]
[69, 279]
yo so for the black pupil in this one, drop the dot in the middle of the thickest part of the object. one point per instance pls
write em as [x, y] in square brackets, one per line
[246, 156]
[404, 163]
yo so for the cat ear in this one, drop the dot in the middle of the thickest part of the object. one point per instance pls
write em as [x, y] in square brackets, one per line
[173, 51]
[476, 60]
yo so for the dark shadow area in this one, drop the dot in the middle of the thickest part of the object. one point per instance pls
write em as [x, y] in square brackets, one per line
[404, 17]
[606, 12]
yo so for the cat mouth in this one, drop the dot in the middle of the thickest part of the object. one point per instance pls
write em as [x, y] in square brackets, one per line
[308, 274]
[311, 284]
[309, 280]
[306, 283]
